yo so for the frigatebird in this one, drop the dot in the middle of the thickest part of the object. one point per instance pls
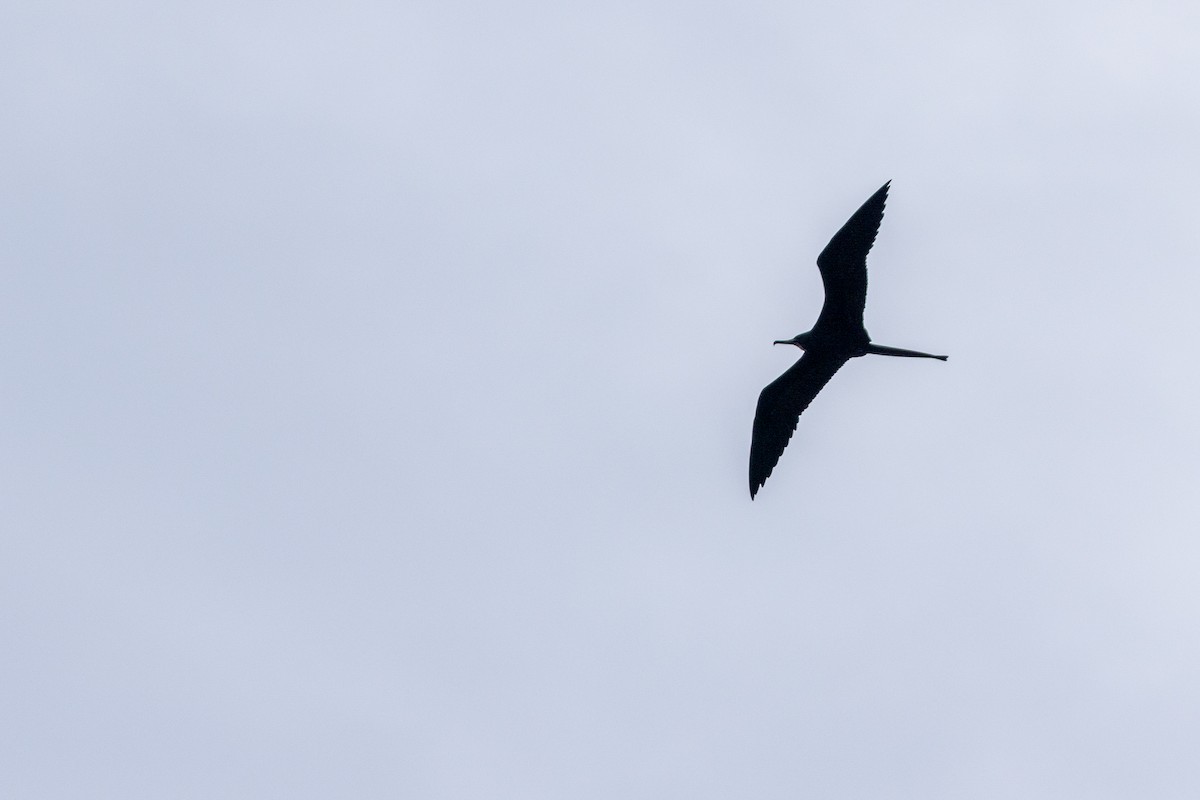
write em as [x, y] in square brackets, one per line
[837, 337]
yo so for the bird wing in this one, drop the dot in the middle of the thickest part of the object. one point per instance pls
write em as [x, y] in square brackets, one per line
[779, 408]
[843, 265]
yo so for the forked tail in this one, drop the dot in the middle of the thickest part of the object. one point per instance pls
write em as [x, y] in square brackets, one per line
[880, 350]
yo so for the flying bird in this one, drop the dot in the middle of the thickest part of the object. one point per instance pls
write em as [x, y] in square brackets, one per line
[837, 337]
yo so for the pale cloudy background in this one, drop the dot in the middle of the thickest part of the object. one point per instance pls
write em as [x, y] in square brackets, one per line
[378, 378]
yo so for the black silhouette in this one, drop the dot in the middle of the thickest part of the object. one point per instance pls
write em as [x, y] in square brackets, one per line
[837, 337]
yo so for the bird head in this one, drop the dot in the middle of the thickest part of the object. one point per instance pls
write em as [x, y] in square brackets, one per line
[800, 340]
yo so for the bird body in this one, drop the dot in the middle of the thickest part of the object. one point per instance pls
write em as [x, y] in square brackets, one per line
[837, 337]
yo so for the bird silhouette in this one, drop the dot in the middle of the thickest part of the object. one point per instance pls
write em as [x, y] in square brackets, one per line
[837, 337]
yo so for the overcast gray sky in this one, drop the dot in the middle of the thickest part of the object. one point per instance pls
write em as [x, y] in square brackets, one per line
[378, 379]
